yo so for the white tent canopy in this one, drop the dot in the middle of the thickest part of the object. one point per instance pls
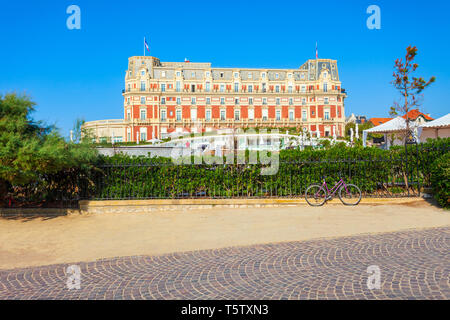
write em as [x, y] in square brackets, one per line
[439, 128]
[438, 123]
[395, 125]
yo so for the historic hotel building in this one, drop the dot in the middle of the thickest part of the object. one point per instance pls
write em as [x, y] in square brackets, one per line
[165, 97]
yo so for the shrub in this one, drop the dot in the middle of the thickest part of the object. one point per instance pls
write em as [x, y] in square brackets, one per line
[440, 180]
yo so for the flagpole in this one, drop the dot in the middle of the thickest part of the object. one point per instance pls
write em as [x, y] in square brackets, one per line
[144, 46]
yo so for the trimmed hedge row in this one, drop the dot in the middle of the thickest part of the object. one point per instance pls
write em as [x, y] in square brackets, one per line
[375, 171]
[440, 180]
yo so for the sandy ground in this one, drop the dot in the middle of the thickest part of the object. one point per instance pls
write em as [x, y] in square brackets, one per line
[43, 241]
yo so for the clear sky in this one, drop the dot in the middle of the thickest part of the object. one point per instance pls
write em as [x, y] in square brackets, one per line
[80, 73]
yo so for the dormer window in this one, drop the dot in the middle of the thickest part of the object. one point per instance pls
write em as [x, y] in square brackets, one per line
[163, 74]
[143, 72]
[221, 74]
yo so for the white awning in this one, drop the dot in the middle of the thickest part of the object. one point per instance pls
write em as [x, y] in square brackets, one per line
[396, 124]
[442, 122]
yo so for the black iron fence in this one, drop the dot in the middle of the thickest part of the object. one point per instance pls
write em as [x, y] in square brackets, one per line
[401, 174]
[378, 173]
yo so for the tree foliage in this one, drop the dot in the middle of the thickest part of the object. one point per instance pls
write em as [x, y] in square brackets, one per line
[30, 149]
[409, 86]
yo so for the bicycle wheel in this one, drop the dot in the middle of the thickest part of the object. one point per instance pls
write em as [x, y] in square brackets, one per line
[351, 195]
[315, 195]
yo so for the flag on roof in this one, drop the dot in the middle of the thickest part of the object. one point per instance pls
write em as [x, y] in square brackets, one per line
[146, 45]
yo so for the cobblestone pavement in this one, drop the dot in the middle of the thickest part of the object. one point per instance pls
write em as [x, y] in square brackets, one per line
[413, 264]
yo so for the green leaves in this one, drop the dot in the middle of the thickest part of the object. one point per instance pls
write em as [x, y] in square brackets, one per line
[30, 150]
[440, 180]
[374, 170]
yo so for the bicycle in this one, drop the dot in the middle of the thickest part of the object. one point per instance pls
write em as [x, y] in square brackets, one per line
[349, 194]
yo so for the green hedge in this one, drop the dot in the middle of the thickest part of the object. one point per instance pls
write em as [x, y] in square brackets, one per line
[375, 171]
[440, 180]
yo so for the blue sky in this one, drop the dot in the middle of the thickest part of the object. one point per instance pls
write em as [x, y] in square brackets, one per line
[74, 74]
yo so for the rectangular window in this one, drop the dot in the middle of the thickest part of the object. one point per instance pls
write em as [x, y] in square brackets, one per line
[222, 114]
[326, 100]
[325, 87]
[193, 100]
[208, 114]
[178, 74]
[278, 114]
[264, 101]
[163, 87]
[142, 85]
[178, 100]
[163, 74]
[291, 115]
[265, 114]
[278, 101]
[250, 88]
[291, 101]
[303, 101]
[142, 100]
[236, 101]
[303, 89]
[237, 115]
[178, 86]
[143, 114]
[208, 100]
[236, 87]
[250, 101]
[327, 115]
[178, 114]
[222, 100]
[277, 88]
[251, 114]
[304, 115]
[128, 114]
[290, 89]
[143, 136]
[207, 87]
[163, 100]
[163, 115]
[193, 114]
[222, 88]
